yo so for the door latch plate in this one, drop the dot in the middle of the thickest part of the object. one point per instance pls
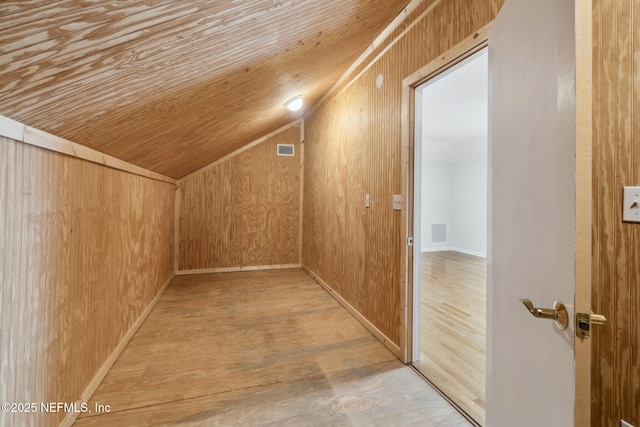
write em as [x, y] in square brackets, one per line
[583, 325]
[584, 322]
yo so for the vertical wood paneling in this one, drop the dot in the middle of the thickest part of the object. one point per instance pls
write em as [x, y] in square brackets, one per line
[85, 249]
[353, 147]
[624, 153]
[616, 263]
[634, 262]
[597, 338]
[244, 211]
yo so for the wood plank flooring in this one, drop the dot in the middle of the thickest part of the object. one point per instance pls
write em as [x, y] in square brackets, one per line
[453, 327]
[260, 348]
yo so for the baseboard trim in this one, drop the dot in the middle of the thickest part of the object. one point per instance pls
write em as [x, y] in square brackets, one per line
[454, 249]
[236, 269]
[393, 347]
[106, 366]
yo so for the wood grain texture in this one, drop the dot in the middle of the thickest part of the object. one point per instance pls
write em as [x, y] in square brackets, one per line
[97, 379]
[172, 86]
[463, 49]
[353, 147]
[583, 204]
[393, 347]
[261, 348]
[11, 129]
[616, 259]
[453, 317]
[407, 254]
[236, 269]
[85, 249]
[244, 211]
[21, 133]
[297, 123]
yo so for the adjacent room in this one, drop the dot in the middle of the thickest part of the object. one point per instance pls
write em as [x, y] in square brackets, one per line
[452, 212]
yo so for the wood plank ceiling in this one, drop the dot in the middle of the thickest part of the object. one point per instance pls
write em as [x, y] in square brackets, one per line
[174, 85]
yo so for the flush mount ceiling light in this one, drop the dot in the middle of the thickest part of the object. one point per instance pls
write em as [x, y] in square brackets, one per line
[294, 104]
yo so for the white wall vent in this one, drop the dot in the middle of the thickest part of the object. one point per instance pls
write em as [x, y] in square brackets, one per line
[439, 233]
[286, 150]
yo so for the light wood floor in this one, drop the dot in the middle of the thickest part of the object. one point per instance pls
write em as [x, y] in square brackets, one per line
[260, 348]
[453, 327]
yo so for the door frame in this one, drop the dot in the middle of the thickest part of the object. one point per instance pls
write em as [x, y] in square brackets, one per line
[464, 50]
[460, 52]
[583, 190]
[583, 203]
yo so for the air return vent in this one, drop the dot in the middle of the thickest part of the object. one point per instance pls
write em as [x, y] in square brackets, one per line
[285, 150]
[439, 233]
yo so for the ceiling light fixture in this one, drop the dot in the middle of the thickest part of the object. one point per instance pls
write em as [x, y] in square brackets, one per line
[294, 104]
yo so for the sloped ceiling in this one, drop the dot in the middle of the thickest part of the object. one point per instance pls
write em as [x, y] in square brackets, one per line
[174, 85]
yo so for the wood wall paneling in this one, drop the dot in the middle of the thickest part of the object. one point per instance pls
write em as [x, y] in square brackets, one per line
[353, 147]
[616, 259]
[85, 249]
[19, 132]
[244, 211]
[634, 230]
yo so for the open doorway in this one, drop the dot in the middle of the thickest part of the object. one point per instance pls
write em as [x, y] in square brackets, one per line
[450, 232]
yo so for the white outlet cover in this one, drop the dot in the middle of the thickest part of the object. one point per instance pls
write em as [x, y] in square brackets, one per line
[397, 202]
[623, 423]
[631, 197]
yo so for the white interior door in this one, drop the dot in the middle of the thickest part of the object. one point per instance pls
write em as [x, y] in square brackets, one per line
[532, 216]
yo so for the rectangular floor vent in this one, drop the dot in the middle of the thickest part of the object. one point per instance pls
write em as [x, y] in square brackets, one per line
[286, 150]
[439, 233]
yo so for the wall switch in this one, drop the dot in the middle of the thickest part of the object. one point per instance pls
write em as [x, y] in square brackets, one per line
[397, 202]
[631, 204]
[367, 201]
[625, 424]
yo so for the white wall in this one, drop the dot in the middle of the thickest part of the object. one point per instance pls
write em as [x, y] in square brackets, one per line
[436, 200]
[453, 133]
[469, 231]
[454, 191]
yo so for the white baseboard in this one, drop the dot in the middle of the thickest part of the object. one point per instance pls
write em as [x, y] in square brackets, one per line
[436, 249]
[455, 249]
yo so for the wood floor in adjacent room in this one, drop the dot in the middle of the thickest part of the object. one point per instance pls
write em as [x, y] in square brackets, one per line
[260, 348]
[453, 327]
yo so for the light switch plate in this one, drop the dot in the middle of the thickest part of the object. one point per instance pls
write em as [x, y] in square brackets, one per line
[623, 423]
[631, 204]
[397, 202]
[367, 201]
